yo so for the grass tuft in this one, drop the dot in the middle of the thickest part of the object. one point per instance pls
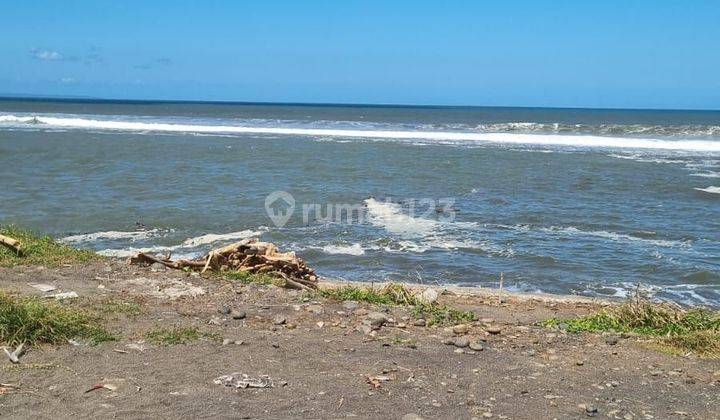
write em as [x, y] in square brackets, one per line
[398, 294]
[40, 250]
[32, 321]
[672, 328]
[177, 335]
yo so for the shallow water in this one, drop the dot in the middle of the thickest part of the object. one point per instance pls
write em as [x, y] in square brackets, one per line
[587, 202]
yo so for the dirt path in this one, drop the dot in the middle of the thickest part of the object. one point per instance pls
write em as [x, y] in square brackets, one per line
[320, 362]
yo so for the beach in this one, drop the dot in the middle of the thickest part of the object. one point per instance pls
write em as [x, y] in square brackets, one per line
[321, 362]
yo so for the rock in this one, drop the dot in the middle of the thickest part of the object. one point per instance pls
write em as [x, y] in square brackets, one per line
[375, 320]
[420, 322]
[350, 305]
[429, 296]
[461, 342]
[225, 310]
[215, 321]
[157, 267]
[591, 410]
[239, 315]
[487, 320]
[461, 329]
[279, 320]
[401, 325]
[459, 351]
[580, 363]
[493, 329]
[315, 309]
[320, 324]
[411, 416]
[611, 341]
[226, 341]
[365, 329]
[360, 312]
[448, 341]
[476, 345]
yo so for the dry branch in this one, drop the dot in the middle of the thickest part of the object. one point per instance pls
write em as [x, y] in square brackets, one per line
[249, 255]
[11, 243]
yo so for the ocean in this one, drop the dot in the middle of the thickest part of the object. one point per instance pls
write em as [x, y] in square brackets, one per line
[568, 201]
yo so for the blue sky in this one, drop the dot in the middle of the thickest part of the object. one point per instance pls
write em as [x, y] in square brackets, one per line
[636, 54]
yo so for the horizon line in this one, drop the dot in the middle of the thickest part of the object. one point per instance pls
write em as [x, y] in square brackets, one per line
[90, 99]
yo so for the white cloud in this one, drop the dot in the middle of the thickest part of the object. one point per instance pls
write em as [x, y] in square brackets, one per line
[46, 55]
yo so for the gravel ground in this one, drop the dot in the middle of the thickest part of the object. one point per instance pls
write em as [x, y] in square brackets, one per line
[327, 359]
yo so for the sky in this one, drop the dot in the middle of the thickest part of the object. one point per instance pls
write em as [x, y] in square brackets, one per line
[600, 54]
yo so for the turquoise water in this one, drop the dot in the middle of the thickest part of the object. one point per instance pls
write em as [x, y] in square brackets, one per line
[586, 202]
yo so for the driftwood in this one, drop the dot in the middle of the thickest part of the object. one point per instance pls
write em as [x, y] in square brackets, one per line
[249, 255]
[11, 243]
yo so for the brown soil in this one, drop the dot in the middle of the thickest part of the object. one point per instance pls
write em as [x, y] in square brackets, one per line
[525, 371]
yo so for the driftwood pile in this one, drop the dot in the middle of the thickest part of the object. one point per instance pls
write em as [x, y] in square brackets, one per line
[249, 255]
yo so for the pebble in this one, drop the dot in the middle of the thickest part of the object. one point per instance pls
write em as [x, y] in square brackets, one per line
[476, 345]
[494, 329]
[350, 305]
[459, 351]
[316, 309]
[215, 321]
[429, 295]
[239, 315]
[157, 267]
[225, 310]
[461, 329]
[375, 320]
[487, 320]
[365, 329]
[279, 320]
[461, 342]
[611, 341]
[419, 322]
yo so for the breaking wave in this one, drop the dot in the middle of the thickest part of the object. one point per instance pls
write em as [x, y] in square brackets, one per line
[683, 139]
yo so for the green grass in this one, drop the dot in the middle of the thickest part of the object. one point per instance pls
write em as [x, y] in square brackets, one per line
[671, 328]
[177, 335]
[40, 250]
[397, 294]
[32, 321]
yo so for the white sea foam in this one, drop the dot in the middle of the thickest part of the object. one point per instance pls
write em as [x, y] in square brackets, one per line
[354, 249]
[555, 139]
[614, 236]
[113, 235]
[706, 174]
[214, 237]
[710, 190]
[390, 217]
[131, 251]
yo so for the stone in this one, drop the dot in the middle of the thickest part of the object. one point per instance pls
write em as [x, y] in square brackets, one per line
[448, 341]
[411, 416]
[279, 320]
[476, 345]
[215, 321]
[226, 341]
[419, 322]
[350, 305]
[225, 310]
[429, 296]
[493, 329]
[365, 329]
[157, 267]
[459, 351]
[611, 341]
[239, 315]
[375, 319]
[461, 342]
[461, 329]
[315, 309]
[487, 320]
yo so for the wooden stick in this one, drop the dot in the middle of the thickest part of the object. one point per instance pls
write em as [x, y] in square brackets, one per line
[14, 244]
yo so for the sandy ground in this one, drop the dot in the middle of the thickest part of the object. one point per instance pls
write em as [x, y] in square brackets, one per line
[322, 366]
